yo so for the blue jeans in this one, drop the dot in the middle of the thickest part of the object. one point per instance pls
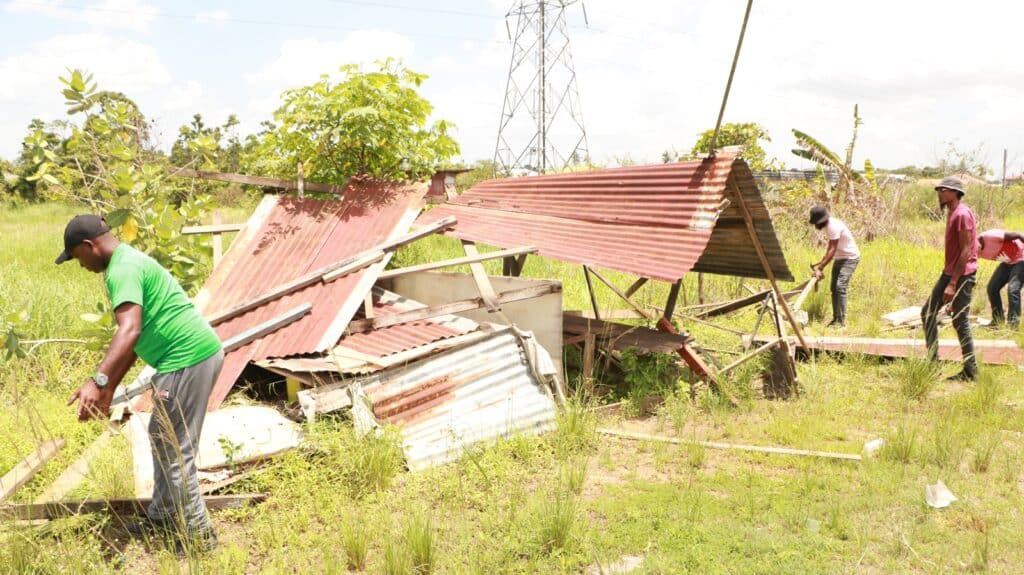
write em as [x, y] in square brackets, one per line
[1011, 276]
[842, 271]
[961, 321]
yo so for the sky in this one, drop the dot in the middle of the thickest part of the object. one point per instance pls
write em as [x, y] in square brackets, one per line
[650, 73]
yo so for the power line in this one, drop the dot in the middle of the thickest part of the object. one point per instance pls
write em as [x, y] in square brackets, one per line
[234, 20]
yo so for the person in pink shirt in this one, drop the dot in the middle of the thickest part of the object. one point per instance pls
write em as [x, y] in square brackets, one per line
[1007, 248]
[956, 284]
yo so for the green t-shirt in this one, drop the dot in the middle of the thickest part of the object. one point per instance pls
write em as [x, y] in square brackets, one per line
[174, 335]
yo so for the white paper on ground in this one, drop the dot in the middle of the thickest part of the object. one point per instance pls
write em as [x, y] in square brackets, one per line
[938, 495]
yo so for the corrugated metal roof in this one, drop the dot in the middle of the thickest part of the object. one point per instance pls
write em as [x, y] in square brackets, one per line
[452, 400]
[401, 337]
[378, 343]
[288, 237]
[655, 221]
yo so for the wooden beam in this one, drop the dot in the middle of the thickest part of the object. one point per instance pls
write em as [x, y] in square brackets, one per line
[212, 229]
[730, 446]
[331, 272]
[268, 327]
[590, 290]
[218, 242]
[119, 507]
[28, 467]
[751, 355]
[670, 303]
[622, 295]
[799, 303]
[75, 473]
[456, 262]
[639, 283]
[752, 230]
[259, 181]
[483, 283]
[450, 308]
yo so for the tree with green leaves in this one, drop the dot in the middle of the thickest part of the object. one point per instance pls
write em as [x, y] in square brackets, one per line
[815, 151]
[107, 164]
[748, 135]
[371, 123]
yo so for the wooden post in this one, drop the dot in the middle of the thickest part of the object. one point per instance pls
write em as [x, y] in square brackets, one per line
[483, 283]
[293, 387]
[670, 304]
[780, 298]
[300, 182]
[700, 288]
[590, 290]
[639, 283]
[218, 244]
[589, 349]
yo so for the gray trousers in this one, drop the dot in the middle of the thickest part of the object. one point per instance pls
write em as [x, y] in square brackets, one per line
[961, 321]
[179, 409]
[842, 271]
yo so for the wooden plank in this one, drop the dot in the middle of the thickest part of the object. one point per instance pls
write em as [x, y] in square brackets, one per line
[752, 230]
[994, 352]
[267, 327]
[799, 303]
[75, 473]
[216, 228]
[483, 283]
[119, 507]
[28, 467]
[456, 262]
[450, 308]
[331, 272]
[751, 355]
[731, 446]
[260, 181]
[218, 485]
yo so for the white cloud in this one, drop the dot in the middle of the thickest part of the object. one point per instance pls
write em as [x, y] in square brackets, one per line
[303, 61]
[651, 76]
[32, 90]
[216, 17]
[119, 14]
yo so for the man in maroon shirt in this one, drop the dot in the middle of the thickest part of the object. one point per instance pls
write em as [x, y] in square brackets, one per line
[956, 284]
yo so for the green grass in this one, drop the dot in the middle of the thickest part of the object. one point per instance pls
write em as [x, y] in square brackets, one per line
[573, 498]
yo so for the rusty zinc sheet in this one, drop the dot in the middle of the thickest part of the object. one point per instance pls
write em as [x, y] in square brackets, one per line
[365, 352]
[658, 221]
[287, 237]
[448, 402]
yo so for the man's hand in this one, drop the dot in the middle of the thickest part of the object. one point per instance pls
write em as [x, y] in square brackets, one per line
[949, 293]
[818, 274]
[93, 402]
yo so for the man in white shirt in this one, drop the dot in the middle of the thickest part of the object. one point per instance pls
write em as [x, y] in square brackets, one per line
[843, 249]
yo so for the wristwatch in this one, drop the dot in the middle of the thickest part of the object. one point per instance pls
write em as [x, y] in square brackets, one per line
[100, 379]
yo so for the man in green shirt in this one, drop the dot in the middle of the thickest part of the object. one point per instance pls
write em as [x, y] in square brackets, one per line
[155, 322]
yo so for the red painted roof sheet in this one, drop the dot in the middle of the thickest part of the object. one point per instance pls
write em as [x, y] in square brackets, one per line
[655, 221]
[391, 340]
[287, 237]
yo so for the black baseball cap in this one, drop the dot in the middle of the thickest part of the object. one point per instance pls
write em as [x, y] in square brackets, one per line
[818, 215]
[80, 228]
